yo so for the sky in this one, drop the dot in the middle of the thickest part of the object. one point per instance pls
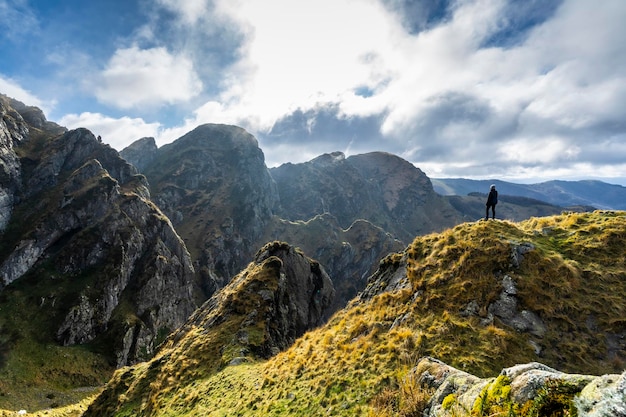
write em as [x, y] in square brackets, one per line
[518, 90]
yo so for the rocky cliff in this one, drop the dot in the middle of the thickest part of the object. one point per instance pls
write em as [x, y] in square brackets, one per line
[18, 123]
[214, 185]
[100, 260]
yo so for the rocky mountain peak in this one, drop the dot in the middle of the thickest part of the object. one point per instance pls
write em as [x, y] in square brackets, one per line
[328, 159]
[140, 153]
[32, 115]
[70, 151]
[382, 188]
[262, 311]
[214, 185]
[220, 137]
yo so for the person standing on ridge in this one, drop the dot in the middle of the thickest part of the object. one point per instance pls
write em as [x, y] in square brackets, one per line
[492, 200]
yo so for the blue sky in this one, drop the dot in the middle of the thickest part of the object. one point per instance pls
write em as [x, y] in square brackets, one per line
[517, 90]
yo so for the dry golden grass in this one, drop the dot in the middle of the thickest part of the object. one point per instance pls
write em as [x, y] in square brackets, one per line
[357, 364]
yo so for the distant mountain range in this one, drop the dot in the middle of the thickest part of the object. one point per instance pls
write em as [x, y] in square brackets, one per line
[592, 193]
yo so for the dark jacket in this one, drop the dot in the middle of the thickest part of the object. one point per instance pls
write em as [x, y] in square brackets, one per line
[492, 200]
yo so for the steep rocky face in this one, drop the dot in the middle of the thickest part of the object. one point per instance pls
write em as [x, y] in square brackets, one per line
[214, 185]
[382, 188]
[83, 222]
[140, 153]
[13, 129]
[282, 291]
[262, 311]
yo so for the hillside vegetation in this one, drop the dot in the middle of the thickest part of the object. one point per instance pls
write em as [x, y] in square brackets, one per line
[571, 277]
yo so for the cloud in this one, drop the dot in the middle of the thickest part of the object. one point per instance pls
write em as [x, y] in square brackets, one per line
[299, 54]
[153, 77]
[468, 87]
[189, 11]
[117, 132]
[12, 89]
[16, 19]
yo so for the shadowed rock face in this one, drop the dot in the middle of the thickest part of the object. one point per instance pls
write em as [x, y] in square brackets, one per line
[282, 289]
[140, 153]
[214, 185]
[13, 130]
[85, 222]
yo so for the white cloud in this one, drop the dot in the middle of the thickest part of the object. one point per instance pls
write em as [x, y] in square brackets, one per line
[532, 151]
[147, 77]
[301, 53]
[12, 89]
[118, 133]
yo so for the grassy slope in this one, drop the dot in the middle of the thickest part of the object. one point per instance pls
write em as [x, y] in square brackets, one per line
[359, 359]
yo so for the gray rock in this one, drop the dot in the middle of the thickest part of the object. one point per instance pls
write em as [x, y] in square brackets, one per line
[518, 251]
[140, 153]
[13, 130]
[505, 308]
[603, 396]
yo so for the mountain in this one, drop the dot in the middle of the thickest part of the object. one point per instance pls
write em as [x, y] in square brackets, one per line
[382, 188]
[480, 297]
[225, 203]
[140, 153]
[597, 194]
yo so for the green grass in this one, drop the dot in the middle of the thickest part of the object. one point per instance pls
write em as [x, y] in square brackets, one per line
[35, 371]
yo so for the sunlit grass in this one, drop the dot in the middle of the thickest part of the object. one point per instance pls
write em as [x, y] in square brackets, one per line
[360, 362]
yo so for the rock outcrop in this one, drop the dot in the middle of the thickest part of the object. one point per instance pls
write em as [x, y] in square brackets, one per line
[262, 311]
[282, 291]
[531, 389]
[140, 153]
